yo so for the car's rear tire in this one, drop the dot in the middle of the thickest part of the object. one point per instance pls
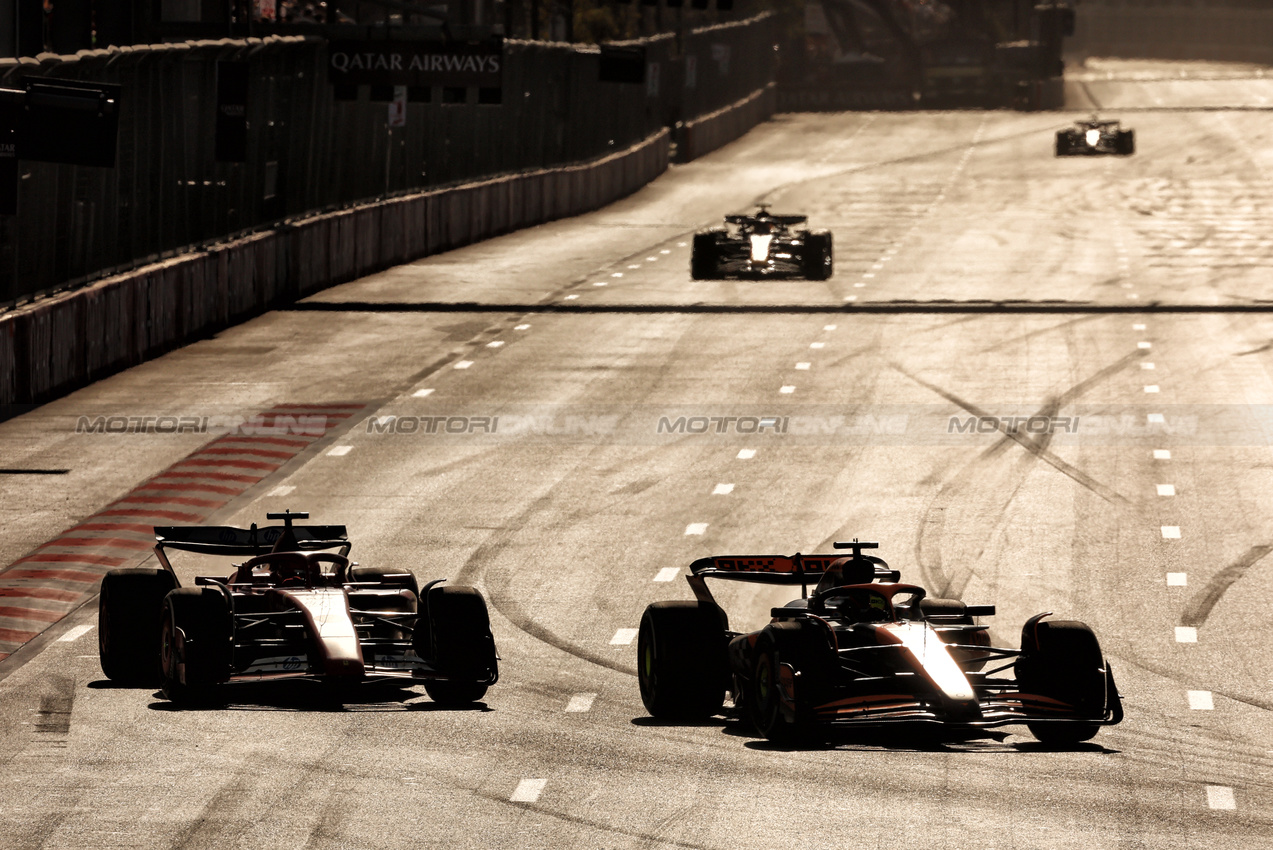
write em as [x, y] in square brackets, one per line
[385, 577]
[818, 258]
[1126, 142]
[1063, 660]
[454, 634]
[129, 614]
[198, 632]
[1062, 143]
[682, 668]
[703, 255]
[798, 645]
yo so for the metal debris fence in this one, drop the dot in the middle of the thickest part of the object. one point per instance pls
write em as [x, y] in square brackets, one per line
[309, 152]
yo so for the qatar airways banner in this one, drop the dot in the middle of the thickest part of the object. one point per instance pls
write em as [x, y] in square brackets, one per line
[416, 63]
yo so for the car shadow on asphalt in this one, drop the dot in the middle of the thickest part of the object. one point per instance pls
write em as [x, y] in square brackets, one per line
[304, 697]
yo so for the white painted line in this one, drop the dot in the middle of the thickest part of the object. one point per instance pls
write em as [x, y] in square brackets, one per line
[1132, 295]
[1144, 345]
[422, 393]
[1138, 327]
[803, 367]
[867, 275]
[464, 364]
[877, 266]
[528, 791]
[696, 528]
[665, 251]
[624, 637]
[1149, 367]
[858, 285]
[746, 454]
[1221, 797]
[651, 259]
[617, 274]
[1155, 419]
[634, 267]
[522, 328]
[581, 702]
[495, 343]
[817, 345]
[1166, 489]
[280, 490]
[1177, 579]
[600, 283]
[681, 244]
[571, 297]
[1162, 454]
[75, 634]
[828, 327]
[1151, 388]
[1201, 701]
[723, 490]
[1171, 532]
[850, 298]
[339, 451]
[668, 574]
[787, 389]
[1186, 634]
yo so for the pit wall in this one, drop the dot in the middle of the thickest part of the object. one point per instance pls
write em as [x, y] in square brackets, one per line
[63, 342]
[1209, 30]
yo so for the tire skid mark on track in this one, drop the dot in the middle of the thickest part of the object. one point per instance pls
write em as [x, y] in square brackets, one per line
[932, 526]
[652, 839]
[1200, 607]
[62, 574]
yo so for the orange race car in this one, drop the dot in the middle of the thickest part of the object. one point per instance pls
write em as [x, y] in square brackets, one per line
[295, 607]
[866, 651]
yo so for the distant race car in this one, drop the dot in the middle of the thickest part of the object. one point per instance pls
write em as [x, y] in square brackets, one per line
[865, 651]
[1094, 138]
[295, 608]
[759, 246]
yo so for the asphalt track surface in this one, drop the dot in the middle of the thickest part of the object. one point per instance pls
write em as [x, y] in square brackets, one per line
[1124, 303]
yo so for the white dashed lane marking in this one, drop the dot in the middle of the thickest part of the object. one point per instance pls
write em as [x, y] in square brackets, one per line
[624, 637]
[571, 297]
[1148, 367]
[668, 574]
[1166, 489]
[495, 343]
[600, 283]
[1186, 634]
[803, 367]
[1155, 419]
[522, 328]
[339, 451]
[817, 345]
[788, 390]
[723, 490]
[280, 490]
[617, 274]
[528, 790]
[746, 454]
[1144, 345]
[1170, 532]
[422, 393]
[1151, 388]
[828, 327]
[581, 702]
[75, 634]
[1221, 797]
[1162, 454]
[1201, 701]
[1177, 579]
[464, 364]
[696, 528]
[1138, 327]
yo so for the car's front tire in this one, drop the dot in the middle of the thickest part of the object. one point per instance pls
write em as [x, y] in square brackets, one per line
[454, 634]
[704, 257]
[197, 634]
[1062, 660]
[818, 258]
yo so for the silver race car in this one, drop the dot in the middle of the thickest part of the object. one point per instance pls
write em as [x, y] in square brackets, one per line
[1095, 138]
[759, 246]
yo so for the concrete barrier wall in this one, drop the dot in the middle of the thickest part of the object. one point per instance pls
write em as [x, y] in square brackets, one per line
[53, 346]
[1214, 30]
[719, 128]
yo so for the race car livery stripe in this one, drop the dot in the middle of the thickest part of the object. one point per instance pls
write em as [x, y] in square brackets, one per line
[58, 576]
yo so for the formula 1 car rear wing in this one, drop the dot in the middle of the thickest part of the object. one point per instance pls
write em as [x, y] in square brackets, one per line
[787, 220]
[248, 542]
[781, 569]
